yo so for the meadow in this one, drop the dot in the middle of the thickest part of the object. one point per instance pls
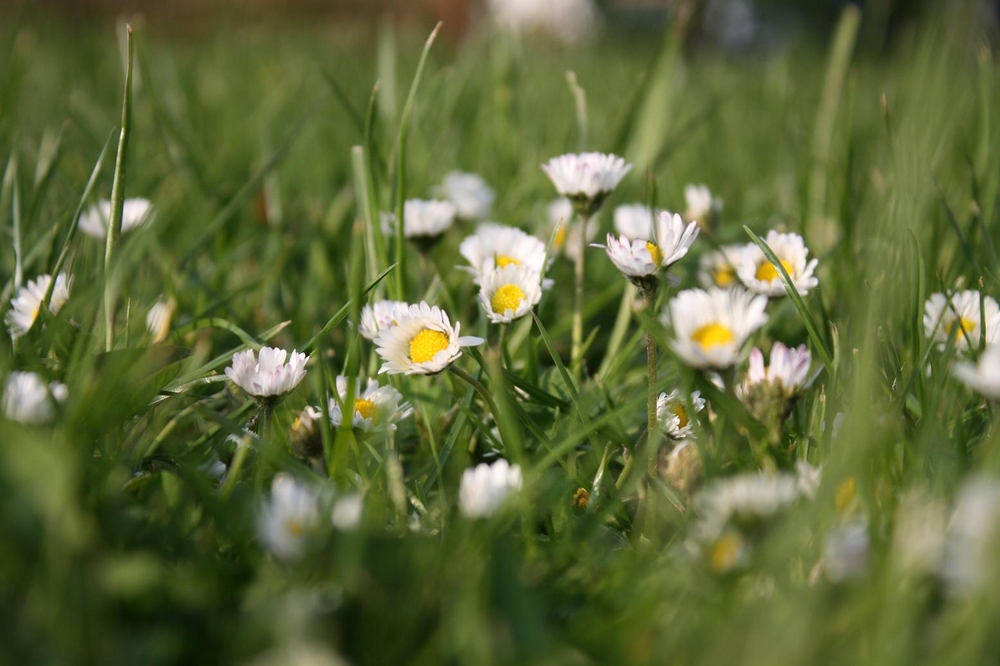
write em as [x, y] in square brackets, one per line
[688, 510]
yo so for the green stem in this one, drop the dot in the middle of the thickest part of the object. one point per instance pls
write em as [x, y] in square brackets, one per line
[234, 468]
[651, 399]
[481, 389]
[578, 276]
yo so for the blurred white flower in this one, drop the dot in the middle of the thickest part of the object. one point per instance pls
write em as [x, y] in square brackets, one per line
[422, 219]
[718, 269]
[485, 487]
[586, 178]
[710, 327]
[379, 315]
[423, 342]
[970, 544]
[567, 231]
[509, 293]
[267, 375]
[672, 413]
[158, 319]
[960, 317]
[847, 552]
[287, 520]
[347, 511]
[984, 375]
[376, 408]
[807, 478]
[470, 194]
[28, 399]
[741, 501]
[570, 21]
[918, 538]
[27, 301]
[496, 246]
[760, 275]
[785, 377]
[701, 205]
[94, 221]
[634, 220]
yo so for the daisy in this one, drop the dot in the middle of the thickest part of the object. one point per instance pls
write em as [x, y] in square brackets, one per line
[289, 518]
[423, 221]
[267, 376]
[634, 220]
[969, 556]
[347, 511]
[570, 21]
[785, 377]
[672, 413]
[485, 487]
[376, 408]
[983, 376]
[496, 246]
[510, 293]
[641, 259]
[379, 315]
[760, 275]
[304, 435]
[701, 205]
[742, 501]
[94, 221]
[567, 232]
[681, 467]
[470, 194]
[28, 399]
[422, 342]
[710, 327]
[158, 319]
[28, 300]
[960, 317]
[587, 178]
[847, 552]
[808, 478]
[718, 269]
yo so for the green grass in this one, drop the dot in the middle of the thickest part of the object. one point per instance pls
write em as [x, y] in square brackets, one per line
[115, 546]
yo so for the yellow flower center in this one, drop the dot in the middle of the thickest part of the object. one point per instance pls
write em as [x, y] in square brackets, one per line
[426, 344]
[766, 272]
[507, 297]
[725, 552]
[506, 260]
[725, 276]
[962, 325]
[560, 237]
[678, 409]
[581, 498]
[844, 496]
[365, 407]
[295, 527]
[655, 252]
[713, 335]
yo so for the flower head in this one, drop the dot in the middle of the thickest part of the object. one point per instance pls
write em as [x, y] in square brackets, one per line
[701, 205]
[470, 194]
[570, 21]
[136, 212]
[960, 317]
[286, 522]
[586, 178]
[710, 327]
[422, 219]
[485, 488]
[969, 548]
[28, 399]
[495, 246]
[672, 413]
[509, 293]
[718, 269]
[760, 275]
[27, 301]
[423, 342]
[376, 408]
[347, 511]
[567, 232]
[983, 376]
[159, 317]
[784, 378]
[379, 315]
[634, 220]
[643, 258]
[743, 500]
[267, 375]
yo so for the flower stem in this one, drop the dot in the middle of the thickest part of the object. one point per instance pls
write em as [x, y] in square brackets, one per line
[578, 275]
[651, 399]
[483, 392]
[234, 469]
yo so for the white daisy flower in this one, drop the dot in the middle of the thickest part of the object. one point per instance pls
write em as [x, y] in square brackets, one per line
[376, 408]
[969, 548]
[379, 315]
[701, 205]
[422, 342]
[509, 293]
[585, 179]
[470, 194]
[485, 487]
[961, 318]
[787, 373]
[28, 399]
[267, 375]
[760, 275]
[28, 299]
[422, 219]
[570, 21]
[718, 269]
[741, 501]
[634, 220]
[567, 231]
[642, 258]
[672, 413]
[94, 221]
[847, 552]
[808, 478]
[983, 376]
[710, 327]
[159, 317]
[347, 511]
[286, 522]
[919, 535]
[496, 246]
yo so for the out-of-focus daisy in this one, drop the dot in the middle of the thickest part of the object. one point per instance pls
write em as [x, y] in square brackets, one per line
[784, 378]
[267, 375]
[847, 551]
[376, 408]
[423, 221]
[701, 205]
[634, 220]
[970, 544]
[570, 21]
[379, 315]
[136, 212]
[710, 327]
[919, 535]
[304, 435]
[718, 269]
[347, 511]
[586, 178]
[983, 376]
[672, 413]
[287, 520]
[961, 318]
[27, 398]
[470, 194]
[760, 275]
[28, 300]
[159, 317]
[509, 293]
[485, 487]
[567, 232]
[639, 260]
[807, 478]
[741, 501]
[680, 466]
[423, 342]
[496, 246]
